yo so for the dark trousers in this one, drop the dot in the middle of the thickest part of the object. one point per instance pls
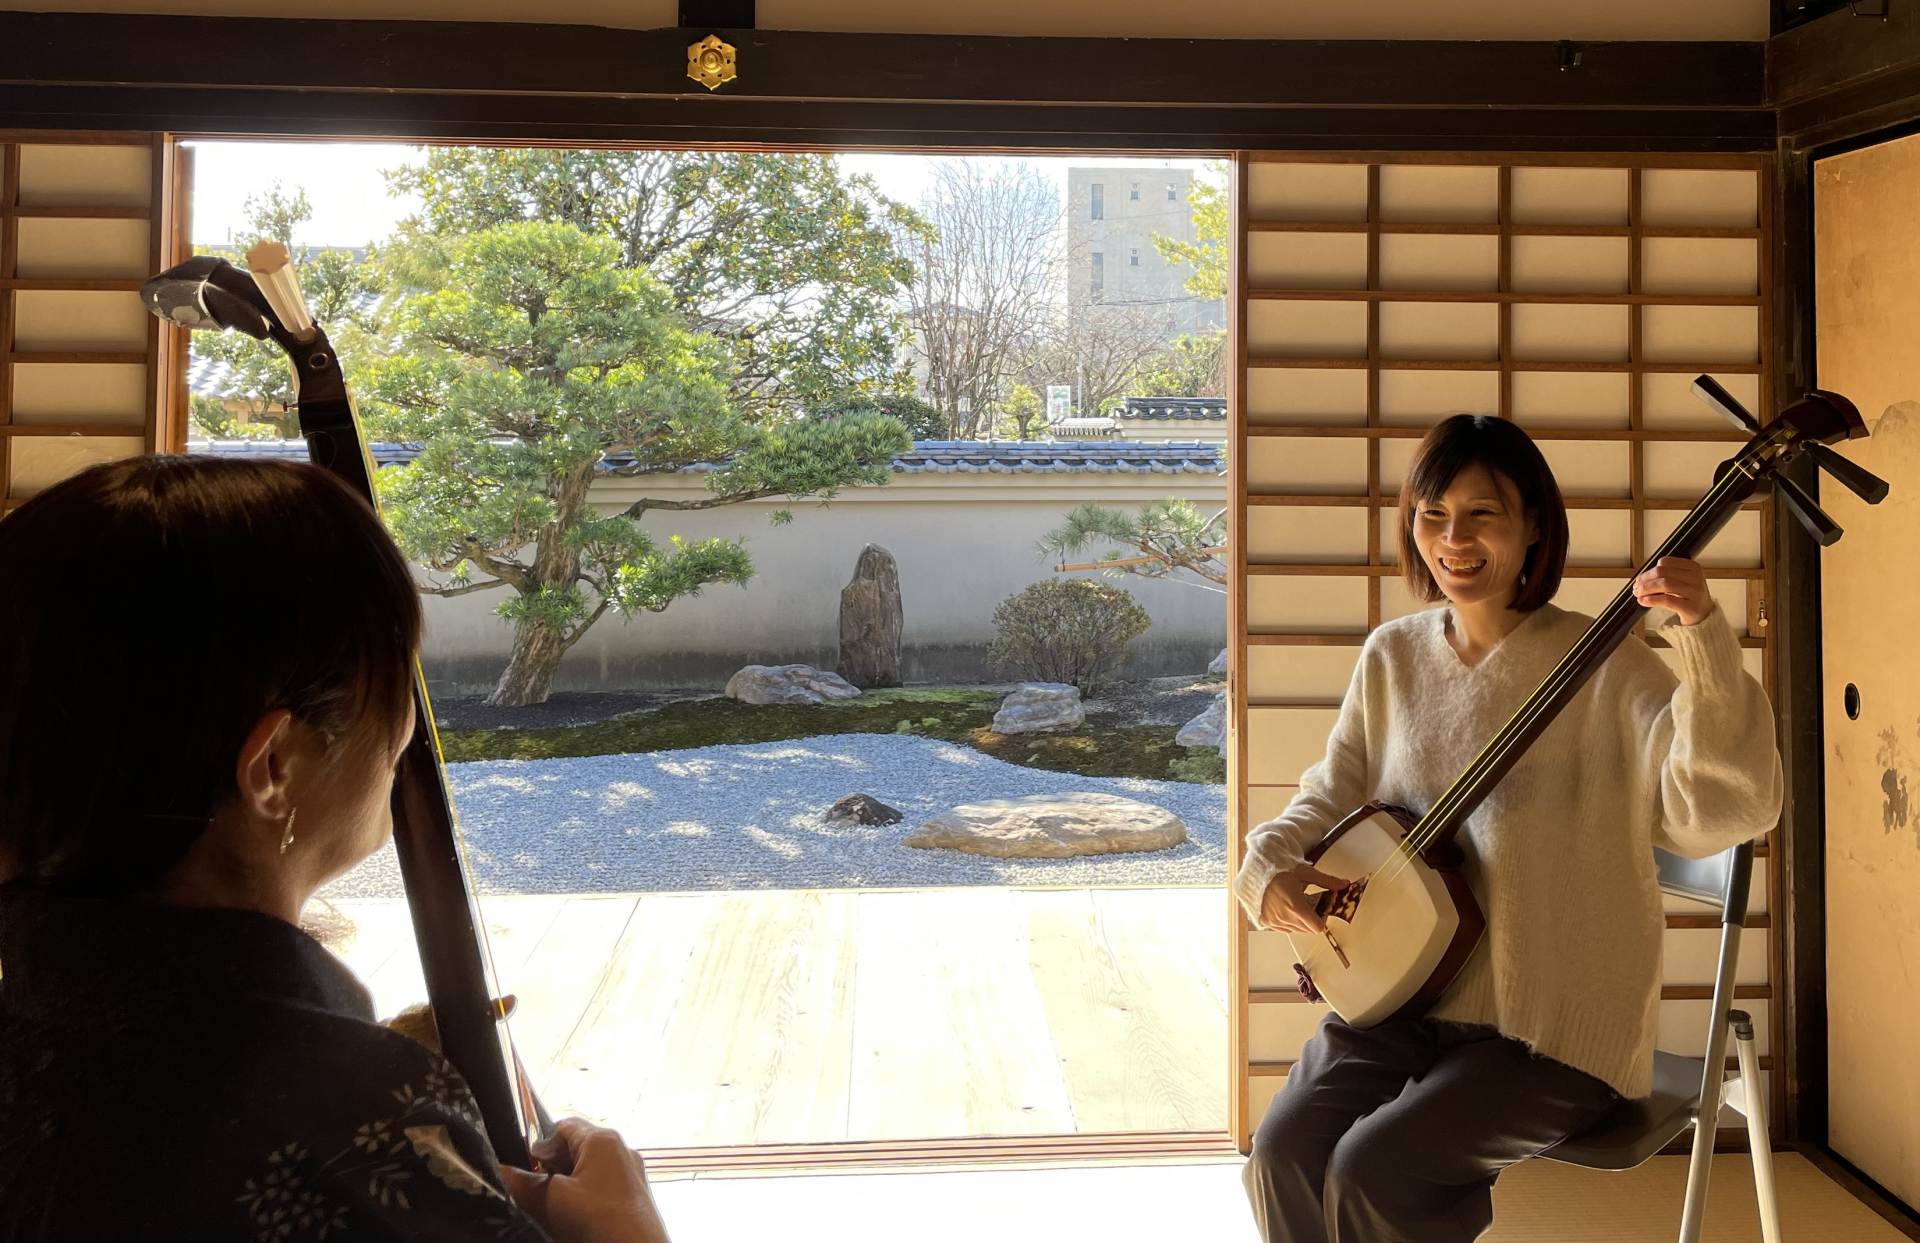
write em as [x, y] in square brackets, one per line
[1396, 1132]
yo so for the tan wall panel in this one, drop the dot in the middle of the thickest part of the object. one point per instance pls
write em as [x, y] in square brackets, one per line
[1332, 192]
[1307, 260]
[39, 462]
[1700, 197]
[1582, 468]
[1683, 1025]
[1738, 544]
[1569, 264]
[53, 247]
[1700, 265]
[1261, 1089]
[1301, 395]
[1282, 743]
[1570, 398]
[64, 393]
[1668, 403]
[1690, 955]
[1572, 333]
[1283, 534]
[60, 319]
[1270, 961]
[1588, 595]
[1277, 1031]
[1700, 334]
[1299, 674]
[1569, 195]
[1307, 329]
[1449, 330]
[1301, 604]
[1303, 464]
[1682, 469]
[1395, 600]
[1439, 261]
[1422, 398]
[1450, 193]
[85, 175]
[1266, 802]
[1589, 468]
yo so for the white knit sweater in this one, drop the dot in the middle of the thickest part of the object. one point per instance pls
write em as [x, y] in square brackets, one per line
[1560, 854]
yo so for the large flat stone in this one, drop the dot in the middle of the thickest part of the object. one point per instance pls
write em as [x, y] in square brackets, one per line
[788, 684]
[1051, 826]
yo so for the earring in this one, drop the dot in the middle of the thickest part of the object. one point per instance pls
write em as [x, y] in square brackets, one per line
[287, 840]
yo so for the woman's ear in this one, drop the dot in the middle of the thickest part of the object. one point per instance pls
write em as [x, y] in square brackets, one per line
[260, 770]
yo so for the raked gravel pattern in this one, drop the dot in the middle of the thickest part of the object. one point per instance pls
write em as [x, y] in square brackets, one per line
[753, 817]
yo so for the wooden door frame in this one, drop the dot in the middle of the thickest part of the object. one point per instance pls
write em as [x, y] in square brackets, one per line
[481, 83]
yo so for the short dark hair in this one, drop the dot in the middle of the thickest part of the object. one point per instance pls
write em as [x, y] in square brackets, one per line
[151, 611]
[1503, 448]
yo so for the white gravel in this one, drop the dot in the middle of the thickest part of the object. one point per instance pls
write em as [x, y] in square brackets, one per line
[753, 817]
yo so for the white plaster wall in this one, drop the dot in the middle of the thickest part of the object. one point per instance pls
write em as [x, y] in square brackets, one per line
[963, 544]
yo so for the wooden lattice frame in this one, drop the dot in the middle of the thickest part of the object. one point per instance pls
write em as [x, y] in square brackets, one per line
[1244, 433]
[163, 426]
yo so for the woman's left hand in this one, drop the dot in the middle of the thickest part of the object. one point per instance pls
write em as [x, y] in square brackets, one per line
[1678, 584]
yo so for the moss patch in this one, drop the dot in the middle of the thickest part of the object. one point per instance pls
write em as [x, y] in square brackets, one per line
[952, 714]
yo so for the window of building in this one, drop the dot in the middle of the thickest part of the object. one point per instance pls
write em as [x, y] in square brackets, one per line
[1172, 194]
[1099, 201]
[1133, 192]
[1098, 280]
[1133, 257]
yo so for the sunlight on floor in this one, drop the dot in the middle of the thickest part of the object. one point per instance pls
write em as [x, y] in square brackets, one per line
[1202, 1202]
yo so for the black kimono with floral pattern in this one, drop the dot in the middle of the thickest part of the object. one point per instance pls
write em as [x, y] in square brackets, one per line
[217, 1075]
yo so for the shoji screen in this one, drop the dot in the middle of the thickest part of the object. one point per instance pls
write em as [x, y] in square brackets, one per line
[85, 372]
[1381, 293]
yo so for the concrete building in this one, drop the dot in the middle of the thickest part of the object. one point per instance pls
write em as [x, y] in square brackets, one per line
[1113, 214]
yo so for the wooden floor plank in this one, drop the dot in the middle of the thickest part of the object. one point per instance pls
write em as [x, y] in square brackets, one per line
[815, 1017]
[950, 1038]
[597, 1066]
[758, 1043]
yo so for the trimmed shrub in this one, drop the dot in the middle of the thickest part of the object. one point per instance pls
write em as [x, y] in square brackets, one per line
[1065, 630]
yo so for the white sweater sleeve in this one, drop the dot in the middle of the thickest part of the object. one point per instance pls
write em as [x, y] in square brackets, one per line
[1329, 790]
[1709, 747]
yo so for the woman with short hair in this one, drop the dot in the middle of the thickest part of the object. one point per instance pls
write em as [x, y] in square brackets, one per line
[1397, 1131]
[205, 687]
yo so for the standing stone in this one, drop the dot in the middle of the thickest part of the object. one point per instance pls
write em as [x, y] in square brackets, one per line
[1040, 706]
[1218, 668]
[870, 621]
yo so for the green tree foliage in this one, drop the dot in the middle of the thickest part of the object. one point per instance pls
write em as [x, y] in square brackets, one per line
[1065, 630]
[792, 269]
[524, 354]
[921, 420]
[1193, 366]
[338, 286]
[1206, 254]
[1152, 542]
[1022, 413]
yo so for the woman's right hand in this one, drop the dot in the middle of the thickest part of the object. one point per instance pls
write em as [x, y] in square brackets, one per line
[1286, 905]
[605, 1199]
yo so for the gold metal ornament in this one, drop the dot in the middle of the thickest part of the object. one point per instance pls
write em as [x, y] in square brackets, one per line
[710, 62]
